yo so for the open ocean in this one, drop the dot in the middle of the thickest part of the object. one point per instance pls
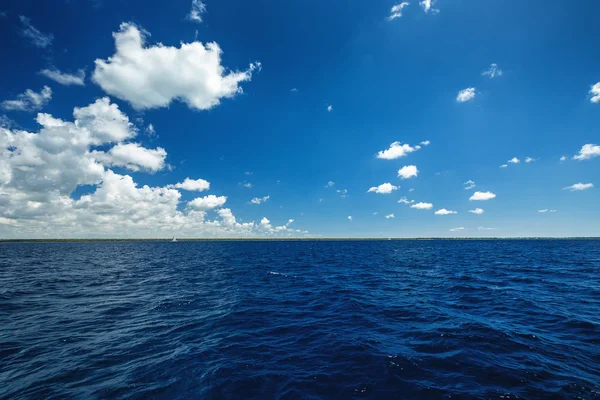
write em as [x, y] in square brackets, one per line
[301, 320]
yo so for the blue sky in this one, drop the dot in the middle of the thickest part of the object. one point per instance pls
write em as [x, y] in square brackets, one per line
[262, 107]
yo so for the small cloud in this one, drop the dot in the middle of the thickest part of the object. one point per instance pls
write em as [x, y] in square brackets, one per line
[482, 196]
[207, 202]
[248, 173]
[543, 211]
[411, 189]
[330, 184]
[396, 150]
[375, 213]
[150, 131]
[197, 185]
[466, 95]
[443, 211]
[396, 11]
[247, 185]
[36, 37]
[469, 185]
[349, 217]
[422, 206]
[390, 216]
[425, 143]
[514, 160]
[481, 228]
[530, 160]
[563, 158]
[477, 211]
[457, 229]
[493, 71]
[259, 200]
[595, 92]
[29, 101]
[579, 186]
[588, 151]
[404, 200]
[504, 166]
[329, 108]
[343, 193]
[198, 8]
[294, 90]
[552, 211]
[64, 78]
[408, 171]
[384, 188]
[427, 6]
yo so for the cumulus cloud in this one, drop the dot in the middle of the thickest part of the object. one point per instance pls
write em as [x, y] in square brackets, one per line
[37, 38]
[425, 143]
[259, 200]
[329, 108]
[404, 200]
[396, 150]
[482, 196]
[343, 193]
[579, 186]
[563, 158]
[477, 211]
[530, 160]
[595, 92]
[133, 157]
[330, 184]
[104, 122]
[29, 101]
[443, 211]
[396, 11]
[469, 185]
[207, 202]
[504, 166]
[408, 171]
[466, 95]
[384, 188]
[422, 206]
[349, 217]
[427, 6]
[65, 78]
[514, 160]
[198, 8]
[588, 151]
[390, 216]
[154, 76]
[493, 71]
[192, 185]
[543, 211]
[457, 229]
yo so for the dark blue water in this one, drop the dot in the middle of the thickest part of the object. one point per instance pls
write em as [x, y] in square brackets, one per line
[301, 320]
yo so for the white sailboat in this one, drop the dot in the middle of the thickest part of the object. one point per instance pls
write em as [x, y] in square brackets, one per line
[174, 240]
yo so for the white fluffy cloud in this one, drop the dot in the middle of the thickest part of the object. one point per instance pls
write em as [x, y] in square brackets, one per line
[64, 78]
[408, 171]
[482, 196]
[397, 150]
[563, 158]
[493, 71]
[504, 166]
[329, 108]
[396, 11]
[259, 200]
[207, 202]
[151, 77]
[330, 184]
[466, 95]
[595, 92]
[443, 211]
[384, 188]
[469, 184]
[195, 185]
[579, 186]
[422, 206]
[477, 211]
[529, 160]
[104, 122]
[37, 38]
[514, 160]
[588, 151]
[133, 157]
[404, 200]
[457, 229]
[349, 217]
[198, 8]
[390, 216]
[29, 101]
[427, 6]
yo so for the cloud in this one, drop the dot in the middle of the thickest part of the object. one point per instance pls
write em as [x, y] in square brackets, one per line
[579, 186]
[481, 228]
[150, 131]
[457, 229]
[530, 160]
[493, 72]
[563, 158]
[426, 143]
[422, 206]
[207, 202]
[443, 211]
[469, 185]
[390, 216]
[466, 95]
[198, 8]
[247, 185]
[197, 185]
[329, 108]
[294, 90]
[133, 157]
[29, 101]
[543, 211]
[396, 11]
[427, 6]
[247, 173]
[330, 184]
[482, 196]
[588, 151]
[349, 217]
[396, 150]
[477, 211]
[151, 77]
[384, 188]
[343, 193]
[104, 122]
[504, 166]
[408, 171]
[265, 223]
[595, 92]
[65, 78]
[404, 200]
[36, 37]
[259, 200]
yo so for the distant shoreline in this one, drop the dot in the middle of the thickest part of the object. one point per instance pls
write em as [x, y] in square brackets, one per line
[333, 239]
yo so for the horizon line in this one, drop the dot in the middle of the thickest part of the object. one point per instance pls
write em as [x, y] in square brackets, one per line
[298, 239]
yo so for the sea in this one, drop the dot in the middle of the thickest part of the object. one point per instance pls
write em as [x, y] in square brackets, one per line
[390, 319]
